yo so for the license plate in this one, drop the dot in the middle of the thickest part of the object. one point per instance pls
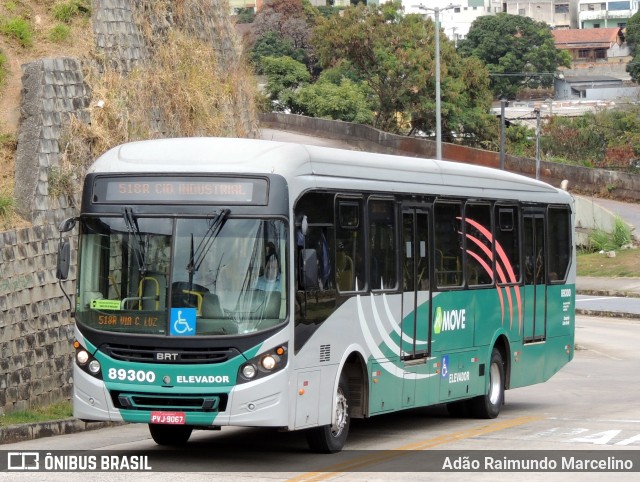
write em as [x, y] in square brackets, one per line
[170, 418]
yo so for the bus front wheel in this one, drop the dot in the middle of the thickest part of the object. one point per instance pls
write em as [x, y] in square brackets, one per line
[173, 435]
[489, 404]
[331, 438]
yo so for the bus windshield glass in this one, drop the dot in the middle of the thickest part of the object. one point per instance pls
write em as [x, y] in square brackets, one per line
[212, 276]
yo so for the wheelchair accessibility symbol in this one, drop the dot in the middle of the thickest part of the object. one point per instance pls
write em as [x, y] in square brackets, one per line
[444, 371]
[183, 322]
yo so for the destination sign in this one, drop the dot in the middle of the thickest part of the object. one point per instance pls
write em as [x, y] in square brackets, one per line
[187, 190]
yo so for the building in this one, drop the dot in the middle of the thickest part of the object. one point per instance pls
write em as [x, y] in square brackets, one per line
[594, 88]
[555, 13]
[593, 45]
[455, 22]
[605, 14]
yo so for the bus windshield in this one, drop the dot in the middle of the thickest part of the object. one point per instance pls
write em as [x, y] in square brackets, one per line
[182, 277]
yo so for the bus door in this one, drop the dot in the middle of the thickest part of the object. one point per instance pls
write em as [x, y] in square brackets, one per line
[535, 290]
[416, 296]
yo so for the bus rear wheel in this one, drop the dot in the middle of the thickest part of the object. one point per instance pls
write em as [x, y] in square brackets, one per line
[331, 438]
[489, 404]
[174, 435]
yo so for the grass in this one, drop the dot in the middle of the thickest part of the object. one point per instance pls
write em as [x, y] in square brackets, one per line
[626, 264]
[59, 33]
[19, 29]
[56, 411]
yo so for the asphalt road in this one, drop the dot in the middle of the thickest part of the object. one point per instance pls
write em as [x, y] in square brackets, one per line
[630, 212]
[609, 304]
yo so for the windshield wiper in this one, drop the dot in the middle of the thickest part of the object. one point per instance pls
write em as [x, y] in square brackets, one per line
[139, 247]
[197, 256]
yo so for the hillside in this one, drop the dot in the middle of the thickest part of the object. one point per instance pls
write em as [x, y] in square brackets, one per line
[29, 30]
[158, 69]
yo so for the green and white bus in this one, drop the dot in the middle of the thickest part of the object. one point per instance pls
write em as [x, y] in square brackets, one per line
[235, 282]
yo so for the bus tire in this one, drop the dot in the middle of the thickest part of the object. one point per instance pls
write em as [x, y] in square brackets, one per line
[330, 439]
[173, 435]
[489, 404]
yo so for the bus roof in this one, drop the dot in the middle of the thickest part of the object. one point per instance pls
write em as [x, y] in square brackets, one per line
[315, 166]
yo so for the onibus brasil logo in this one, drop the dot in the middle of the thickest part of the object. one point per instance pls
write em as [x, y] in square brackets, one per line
[449, 320]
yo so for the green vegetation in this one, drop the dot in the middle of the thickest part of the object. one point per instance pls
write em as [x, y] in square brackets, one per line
[7, 205]
[3, 68]
[59, 33]
[604, 139]
[62, 182]
[57, 411]
[632, 37]
[67, 11]
[18, 29]
[600, 240]
[624, 264]
[515, 49]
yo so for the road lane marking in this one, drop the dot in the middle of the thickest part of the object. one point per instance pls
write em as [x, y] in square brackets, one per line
[385, 455]
[600, 299]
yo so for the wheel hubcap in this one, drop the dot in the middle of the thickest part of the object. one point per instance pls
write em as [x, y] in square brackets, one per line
[341, 414]
[494, 384]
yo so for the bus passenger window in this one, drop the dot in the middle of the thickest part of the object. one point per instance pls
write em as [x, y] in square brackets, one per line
[507, 243]
[382, 245]
[350, 262]
[478, 244]
[448, 243]
[560, 242]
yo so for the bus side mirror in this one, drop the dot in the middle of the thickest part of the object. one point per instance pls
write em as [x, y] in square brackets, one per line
[64, 259]
[67, 225]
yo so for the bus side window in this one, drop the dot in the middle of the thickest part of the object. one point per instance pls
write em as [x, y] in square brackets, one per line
[350, 243]
[383, 262]
[478, 244]
[448, 243]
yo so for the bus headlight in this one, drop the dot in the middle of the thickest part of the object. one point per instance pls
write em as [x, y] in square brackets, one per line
[268, 362]
[86, 362]
[249, 371]
[82, 357]
[263, 365]
[94, 367]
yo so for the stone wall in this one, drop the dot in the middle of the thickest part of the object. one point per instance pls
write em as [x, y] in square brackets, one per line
[35, 328]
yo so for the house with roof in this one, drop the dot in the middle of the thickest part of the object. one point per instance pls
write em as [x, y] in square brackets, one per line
[599, 57]
[593, 45]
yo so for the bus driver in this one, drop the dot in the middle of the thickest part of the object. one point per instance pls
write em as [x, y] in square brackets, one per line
[270, 278]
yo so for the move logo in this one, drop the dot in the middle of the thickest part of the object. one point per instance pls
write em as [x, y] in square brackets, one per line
[450, 320]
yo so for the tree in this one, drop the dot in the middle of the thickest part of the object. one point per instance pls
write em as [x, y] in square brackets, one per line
[518, 52]
[345, 100]
[289, 21]
[394, 54]
[284, 76]
[271, 44]
[632, 38]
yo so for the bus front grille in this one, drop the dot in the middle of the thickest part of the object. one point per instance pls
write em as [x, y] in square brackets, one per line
[184, 403]
[150, 354]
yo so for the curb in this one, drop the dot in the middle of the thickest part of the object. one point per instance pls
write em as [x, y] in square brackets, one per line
[616, 293]
[31, 431]
[608, 314]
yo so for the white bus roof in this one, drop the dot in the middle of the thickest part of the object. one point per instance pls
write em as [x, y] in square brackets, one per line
[306, 166]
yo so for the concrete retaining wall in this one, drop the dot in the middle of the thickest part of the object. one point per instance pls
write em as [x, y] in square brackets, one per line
[594, 181]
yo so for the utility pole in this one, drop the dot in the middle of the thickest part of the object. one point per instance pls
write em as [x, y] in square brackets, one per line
[503, 104]
[537, 112]
[436, 11]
